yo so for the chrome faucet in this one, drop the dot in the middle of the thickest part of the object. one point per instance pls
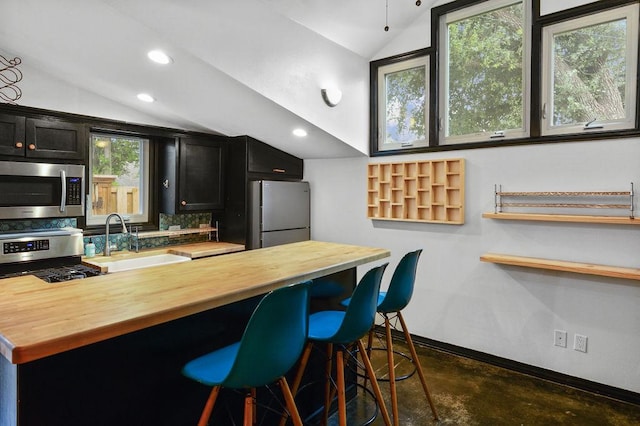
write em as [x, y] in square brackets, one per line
[107, 248]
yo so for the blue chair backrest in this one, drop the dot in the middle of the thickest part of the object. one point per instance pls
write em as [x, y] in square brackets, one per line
[402, 282]
[361, 312]
[273, 339]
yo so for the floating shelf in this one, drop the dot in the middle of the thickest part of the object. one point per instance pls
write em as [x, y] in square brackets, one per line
[542, 217]
[186, 231]
[419, 191]
[560, 265]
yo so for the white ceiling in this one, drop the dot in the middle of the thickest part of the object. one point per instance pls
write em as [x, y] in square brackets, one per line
[251, 67]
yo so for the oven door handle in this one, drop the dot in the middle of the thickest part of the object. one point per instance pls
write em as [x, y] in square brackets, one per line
[63, 193]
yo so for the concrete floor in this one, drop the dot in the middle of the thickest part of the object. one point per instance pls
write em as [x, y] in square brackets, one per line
[468, 392]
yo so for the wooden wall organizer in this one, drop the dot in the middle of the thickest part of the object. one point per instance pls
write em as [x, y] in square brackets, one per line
[418, 191]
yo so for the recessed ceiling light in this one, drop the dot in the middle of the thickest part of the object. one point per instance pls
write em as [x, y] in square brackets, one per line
[159, 57]
[145, 97]
[300, 132]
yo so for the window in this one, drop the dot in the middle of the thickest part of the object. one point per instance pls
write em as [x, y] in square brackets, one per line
[118, 178]
[590, 66]
[402, 113]
[484, 56]
[500, 72]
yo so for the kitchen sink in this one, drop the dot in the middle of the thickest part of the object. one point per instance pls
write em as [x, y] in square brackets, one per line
[143, 262]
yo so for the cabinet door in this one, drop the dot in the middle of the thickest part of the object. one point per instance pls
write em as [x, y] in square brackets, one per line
[201, 171]
[12, 135]
[267, 160]
[55, 139]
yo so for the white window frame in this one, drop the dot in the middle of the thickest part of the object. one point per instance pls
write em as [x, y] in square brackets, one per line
[443, 102]
[422, 61]
[143, 216]
[630, 12]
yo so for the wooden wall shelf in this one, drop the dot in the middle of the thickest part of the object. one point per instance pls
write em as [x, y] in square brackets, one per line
[560, 265]
[418, 191]
[542, 217]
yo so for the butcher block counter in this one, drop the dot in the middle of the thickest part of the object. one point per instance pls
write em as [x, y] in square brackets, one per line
[109, 349]
[39, 320]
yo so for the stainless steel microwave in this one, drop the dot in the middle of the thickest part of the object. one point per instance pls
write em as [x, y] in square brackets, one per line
[41, 190]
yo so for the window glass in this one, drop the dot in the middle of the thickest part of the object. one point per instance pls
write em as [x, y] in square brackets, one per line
[119, 177]
[591, 72]
[484, 73]
[403, 112]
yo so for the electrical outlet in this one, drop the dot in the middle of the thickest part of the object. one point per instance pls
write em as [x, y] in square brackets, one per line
[174, 227]
[560, 338]
[580, 343]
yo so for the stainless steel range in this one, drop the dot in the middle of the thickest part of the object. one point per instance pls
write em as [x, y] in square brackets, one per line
[53, 255]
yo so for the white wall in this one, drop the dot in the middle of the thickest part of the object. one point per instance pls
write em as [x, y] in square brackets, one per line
[510, 312]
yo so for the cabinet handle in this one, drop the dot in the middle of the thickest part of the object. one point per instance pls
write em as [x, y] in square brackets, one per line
[19, 144]
[184, 203]
[32, 146]
[279, 171]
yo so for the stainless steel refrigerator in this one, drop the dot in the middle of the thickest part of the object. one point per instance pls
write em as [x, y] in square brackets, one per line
[279, 213]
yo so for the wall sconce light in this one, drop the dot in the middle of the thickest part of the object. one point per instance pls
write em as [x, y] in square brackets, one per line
[331, 96]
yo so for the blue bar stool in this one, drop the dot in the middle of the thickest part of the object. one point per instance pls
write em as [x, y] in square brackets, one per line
[270, 346]
[390, 305]
[344, 328]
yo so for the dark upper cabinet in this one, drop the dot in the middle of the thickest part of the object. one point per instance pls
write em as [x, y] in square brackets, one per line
[266, 160]
[40, 138]
[249, 159]
[192, 174]
[12, 133]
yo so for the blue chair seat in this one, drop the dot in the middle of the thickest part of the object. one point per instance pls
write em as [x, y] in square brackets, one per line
[211, 369]
[324, 325]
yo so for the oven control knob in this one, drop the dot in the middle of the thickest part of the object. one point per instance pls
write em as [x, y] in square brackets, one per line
[19, 144]
[32, 146]
[184, 203]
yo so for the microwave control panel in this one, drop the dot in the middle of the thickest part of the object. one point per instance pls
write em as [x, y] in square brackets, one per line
[74, 191]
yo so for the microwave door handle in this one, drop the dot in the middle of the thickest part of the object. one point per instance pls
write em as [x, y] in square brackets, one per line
[63, 196]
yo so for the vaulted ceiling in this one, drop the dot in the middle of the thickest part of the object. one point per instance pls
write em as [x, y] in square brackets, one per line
[251, 67]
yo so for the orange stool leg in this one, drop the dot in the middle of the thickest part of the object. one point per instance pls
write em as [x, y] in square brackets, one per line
[416, 361]
[208, 407]
[374, 383]
[392, 372]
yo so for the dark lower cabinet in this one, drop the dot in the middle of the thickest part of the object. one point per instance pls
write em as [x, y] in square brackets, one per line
[192, 174]
[136, 379]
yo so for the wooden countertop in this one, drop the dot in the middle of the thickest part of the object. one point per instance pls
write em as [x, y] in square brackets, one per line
[205, 249]
[39, 319]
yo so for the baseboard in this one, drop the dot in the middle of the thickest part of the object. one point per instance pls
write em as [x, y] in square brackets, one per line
[542, 373]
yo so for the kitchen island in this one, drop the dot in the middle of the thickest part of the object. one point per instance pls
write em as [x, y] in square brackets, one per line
[89, 347]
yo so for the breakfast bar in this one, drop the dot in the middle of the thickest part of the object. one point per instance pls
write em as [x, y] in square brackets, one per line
[112, 346]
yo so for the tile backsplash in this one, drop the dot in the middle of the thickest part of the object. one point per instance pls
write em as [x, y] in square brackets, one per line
[19, 225]
[120, 240]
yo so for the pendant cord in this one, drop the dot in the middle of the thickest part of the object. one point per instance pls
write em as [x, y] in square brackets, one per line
[386, 13]
[386, 16]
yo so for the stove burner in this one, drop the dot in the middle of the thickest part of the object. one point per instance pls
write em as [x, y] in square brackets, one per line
[59, 274]
[66, 273]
